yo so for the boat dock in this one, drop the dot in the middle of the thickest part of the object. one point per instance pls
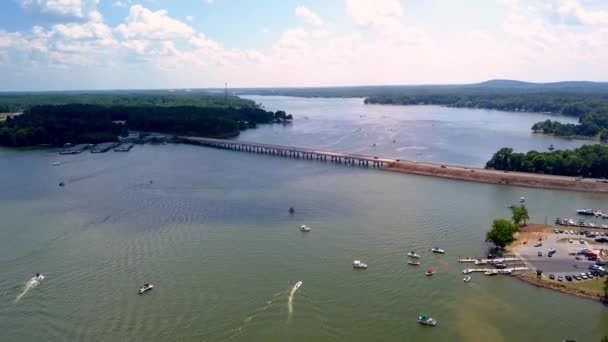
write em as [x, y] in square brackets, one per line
[104, 147]
[293, 152]
[500, 271]
[124, 147]
[75, 149]
[487, 261]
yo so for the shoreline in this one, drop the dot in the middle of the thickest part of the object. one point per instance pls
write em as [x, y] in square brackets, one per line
[476, 174]
[533, 232]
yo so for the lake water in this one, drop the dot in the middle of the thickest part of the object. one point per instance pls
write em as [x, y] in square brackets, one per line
[210, 229]
[422, 133]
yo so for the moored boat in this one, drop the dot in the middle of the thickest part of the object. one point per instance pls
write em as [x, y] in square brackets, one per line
[413, 254]
[57, 163]
[145, 288]
[414, 262]
[359, 264]
[426, 320]
[467, 271]
[304, 228]
[430, 272]
[491, 273]
[437, 250]
[466, 279]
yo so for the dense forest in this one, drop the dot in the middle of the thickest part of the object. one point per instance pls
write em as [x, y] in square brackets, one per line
[587, 101]
[78, 123]
[586, 161]
[14, 102]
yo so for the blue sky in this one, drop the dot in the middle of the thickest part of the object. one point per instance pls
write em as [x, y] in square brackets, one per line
[124, 44]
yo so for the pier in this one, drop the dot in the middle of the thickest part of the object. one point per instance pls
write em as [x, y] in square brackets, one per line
[487, 261]
[293, 152]
[124, 147]
[75, 149]
[104, 147]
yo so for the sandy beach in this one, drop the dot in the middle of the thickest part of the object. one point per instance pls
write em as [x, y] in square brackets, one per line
[473, 174]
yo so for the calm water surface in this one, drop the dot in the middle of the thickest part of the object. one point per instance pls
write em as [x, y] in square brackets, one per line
[423, 133]
[210, 229]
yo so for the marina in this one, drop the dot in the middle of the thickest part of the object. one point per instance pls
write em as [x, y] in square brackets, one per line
[104, 147]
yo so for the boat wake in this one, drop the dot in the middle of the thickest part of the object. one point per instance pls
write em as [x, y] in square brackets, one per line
[239, 330]
[295, 288]
[28, 286]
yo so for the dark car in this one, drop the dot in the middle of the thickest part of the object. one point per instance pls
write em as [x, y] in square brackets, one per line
[577, 277]
[568, 278]
[552, 276]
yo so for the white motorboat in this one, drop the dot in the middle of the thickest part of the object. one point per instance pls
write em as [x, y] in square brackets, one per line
[297, 286]
[491, 273]
[145, 288]
[57, 163]
[467, 271]
[427, 320]
[467, 279]
[38, 278]
[480, 262]
[413, 254]
[414, 262]
[437, 250]
[359, 264]
[304, 228]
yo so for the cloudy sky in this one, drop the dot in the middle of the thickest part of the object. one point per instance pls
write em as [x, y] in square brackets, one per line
[125, 44]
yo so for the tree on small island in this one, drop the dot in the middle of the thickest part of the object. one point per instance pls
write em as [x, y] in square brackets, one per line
[501, 233]
[520, 214]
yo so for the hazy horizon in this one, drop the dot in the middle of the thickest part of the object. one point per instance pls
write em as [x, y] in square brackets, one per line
[49, 45]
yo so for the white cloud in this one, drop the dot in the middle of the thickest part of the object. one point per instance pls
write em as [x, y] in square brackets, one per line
[142, 23]
[308, 16]
[572, 11]
[67, 8]
[378, 13]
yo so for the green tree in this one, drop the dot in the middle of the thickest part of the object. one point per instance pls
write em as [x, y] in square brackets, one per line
[604, 135]
[501, 233]
[520, 214]
[606, 288]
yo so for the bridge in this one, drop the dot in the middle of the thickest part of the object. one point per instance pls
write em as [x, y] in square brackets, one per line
[293, 152]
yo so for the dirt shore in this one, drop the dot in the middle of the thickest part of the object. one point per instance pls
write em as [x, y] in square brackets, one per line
[472, 174]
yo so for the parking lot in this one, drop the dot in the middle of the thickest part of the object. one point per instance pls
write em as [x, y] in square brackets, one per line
[562, 262]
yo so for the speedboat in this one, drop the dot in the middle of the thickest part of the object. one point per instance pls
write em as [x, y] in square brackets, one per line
[467, 279]
[430, 272]
[491, 273]
[304, 228]
[38, 278]
[145, 288]
[427, 320]
[437, 250]
[413, 254]
[522, 199]
[414, 262]
[359, 264]
[467, 271]
[297, 286]
[57, 163]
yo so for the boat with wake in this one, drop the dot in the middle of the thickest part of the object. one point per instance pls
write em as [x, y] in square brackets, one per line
[297, 286]
[37, 278]
[359, 264]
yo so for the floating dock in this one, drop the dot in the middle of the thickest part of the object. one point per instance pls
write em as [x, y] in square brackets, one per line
[104, 147]
[75, 149]
[487, 261]
[499, 271]
[124, 147]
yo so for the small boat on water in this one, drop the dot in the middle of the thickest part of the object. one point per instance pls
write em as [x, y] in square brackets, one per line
[491, 273]
[297, 286]
[522, 199]
[145, 288]
[413, 254]
[437, 250]
[37, 278]
[360, 265]
[467, 271]
[57, 163]
[430, 272]
[427, 320]
[291, 210]
[61, 183]
[414, 262]
[551, 147]
[304, 228]
[466, 279]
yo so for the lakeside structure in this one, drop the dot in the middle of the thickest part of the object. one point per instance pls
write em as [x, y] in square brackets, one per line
[474, 174]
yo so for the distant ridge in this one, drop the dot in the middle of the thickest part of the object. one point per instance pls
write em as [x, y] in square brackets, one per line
[498, 83]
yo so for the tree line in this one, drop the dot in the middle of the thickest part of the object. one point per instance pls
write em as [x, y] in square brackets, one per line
[585, 161]
[78, 123]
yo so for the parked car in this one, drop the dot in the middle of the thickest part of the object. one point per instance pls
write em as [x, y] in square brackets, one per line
[538, 244]
[560, 278]
[552, 276]
[568, 278]
[577, 277]
[569, 240]
[540, 253]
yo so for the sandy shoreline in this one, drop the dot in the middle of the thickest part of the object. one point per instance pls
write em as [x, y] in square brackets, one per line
[473, 174]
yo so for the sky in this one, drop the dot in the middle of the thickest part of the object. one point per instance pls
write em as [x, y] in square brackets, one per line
[142, 44]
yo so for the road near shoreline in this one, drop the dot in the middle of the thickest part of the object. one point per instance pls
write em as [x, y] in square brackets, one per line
[473, 174]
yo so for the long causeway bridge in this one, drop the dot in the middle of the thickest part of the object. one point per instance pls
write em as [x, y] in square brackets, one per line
[293, 152]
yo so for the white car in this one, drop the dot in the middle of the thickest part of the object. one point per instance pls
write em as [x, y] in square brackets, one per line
[569, 240]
